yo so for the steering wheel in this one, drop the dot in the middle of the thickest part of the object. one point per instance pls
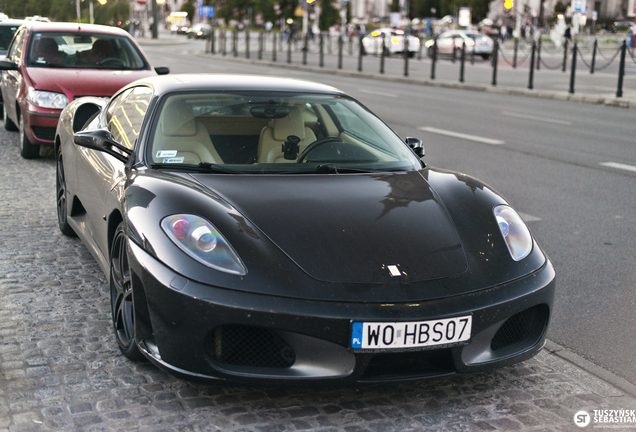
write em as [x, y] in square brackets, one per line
[113, 60]
[314, 145]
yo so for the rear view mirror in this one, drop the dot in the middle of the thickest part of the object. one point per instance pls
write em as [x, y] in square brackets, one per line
[269, 111]
[102, 140]
[416, 145]
[162, 70]
[7, 65]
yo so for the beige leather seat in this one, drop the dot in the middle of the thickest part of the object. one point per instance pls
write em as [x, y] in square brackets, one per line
[179, 131]
[270, 143]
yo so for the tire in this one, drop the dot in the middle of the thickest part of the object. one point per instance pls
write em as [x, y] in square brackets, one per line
[60, 189]
[8, 123]
[485, 56]
[121, 296]
[27, 150]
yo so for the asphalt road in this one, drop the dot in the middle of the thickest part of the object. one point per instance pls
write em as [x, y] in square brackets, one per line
[569, 168]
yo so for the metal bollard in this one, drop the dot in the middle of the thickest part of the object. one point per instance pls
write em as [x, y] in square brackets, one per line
[305, 48]
[350, 45]
[472, 54]
[235, 43]
[247, 44]
[514, 59]
[434, 59]
[573, 71]
[539, 54]
[565, 54]
[224, 42]
[594, 56]
[322, 50]
[212, 41]
[261, 36]
[274, 47]
[419, 51]
[360, 51]
[454, 52]
[406, 55]
[289, 48]
[621, 70]
[340, 43]
[462, 61]
[495, 61]
[531, 78]
[382, 53]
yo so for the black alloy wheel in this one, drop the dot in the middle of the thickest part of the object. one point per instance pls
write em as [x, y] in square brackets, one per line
[121, 295]
[27, 150]
[60, 189]
[8, 123]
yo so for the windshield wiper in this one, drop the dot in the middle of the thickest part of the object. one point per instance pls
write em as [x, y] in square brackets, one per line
[330, 168]
[203, 167]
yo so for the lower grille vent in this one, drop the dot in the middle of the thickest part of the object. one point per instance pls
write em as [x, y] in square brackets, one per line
[524, 325]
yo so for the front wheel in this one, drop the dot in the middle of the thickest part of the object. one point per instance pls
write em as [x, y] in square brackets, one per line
[60, 188]
[121, 295]
[27, 150]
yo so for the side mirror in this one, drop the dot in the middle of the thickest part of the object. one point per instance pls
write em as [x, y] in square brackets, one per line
[102, 140]
[162, 70]
[7, 65]
[416, 145]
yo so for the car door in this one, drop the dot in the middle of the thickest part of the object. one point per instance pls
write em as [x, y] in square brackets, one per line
[98, 172]
[445, 43]
[12, 79]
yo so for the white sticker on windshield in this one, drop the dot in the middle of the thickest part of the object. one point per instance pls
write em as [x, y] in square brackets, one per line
[166, 153]
[173, 160]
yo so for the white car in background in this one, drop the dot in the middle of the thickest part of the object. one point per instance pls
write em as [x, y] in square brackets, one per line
[452, 41]
[393, 42]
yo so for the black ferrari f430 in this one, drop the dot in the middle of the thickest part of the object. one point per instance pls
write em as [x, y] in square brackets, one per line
[275, 231]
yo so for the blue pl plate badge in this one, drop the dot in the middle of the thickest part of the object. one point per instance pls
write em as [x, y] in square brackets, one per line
[356, 335]
[166, 153]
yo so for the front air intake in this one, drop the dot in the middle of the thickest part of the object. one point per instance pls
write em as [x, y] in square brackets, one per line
[526, 326]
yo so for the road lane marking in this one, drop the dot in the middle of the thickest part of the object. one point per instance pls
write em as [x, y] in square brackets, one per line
[531, 117]
[619, 166]
[462, 136]
[528, 218]
[391, 95]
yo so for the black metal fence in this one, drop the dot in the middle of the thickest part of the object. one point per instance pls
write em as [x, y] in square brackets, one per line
[535, 53]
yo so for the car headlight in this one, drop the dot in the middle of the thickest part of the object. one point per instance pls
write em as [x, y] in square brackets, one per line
[514, 231]
[46, 99]
[202, 241]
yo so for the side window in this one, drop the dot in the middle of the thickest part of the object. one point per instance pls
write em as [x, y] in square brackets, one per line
[126, 114]
[15, 53]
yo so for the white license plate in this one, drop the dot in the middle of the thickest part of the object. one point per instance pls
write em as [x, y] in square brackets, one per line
[405, 335]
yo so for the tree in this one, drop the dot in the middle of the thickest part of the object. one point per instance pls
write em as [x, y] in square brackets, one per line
[329, 15]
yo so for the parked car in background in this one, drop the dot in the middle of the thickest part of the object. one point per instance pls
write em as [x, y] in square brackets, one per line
[393, 42]
[452, 41]
[8, 27]
[275, 231]
[51, 64]
[199, 31]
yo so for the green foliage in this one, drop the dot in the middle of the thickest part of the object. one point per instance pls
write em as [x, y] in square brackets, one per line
[329, 15]
[65, 10]
[559, 7]
[188, 7]
[395, 6]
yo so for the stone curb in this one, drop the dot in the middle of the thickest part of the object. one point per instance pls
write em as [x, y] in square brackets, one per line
[589, 367]
[560, 96]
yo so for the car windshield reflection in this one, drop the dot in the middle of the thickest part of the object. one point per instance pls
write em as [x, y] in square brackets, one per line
[274, 133]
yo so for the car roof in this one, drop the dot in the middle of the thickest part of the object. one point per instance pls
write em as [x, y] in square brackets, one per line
[222, 82]
[74, 27]
[9, 22]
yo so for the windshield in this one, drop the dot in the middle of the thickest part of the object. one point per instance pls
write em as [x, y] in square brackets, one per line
[275, 133]
[84, 51]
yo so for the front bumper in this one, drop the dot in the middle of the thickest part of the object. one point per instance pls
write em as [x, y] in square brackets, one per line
[188, 328]
[40, 124]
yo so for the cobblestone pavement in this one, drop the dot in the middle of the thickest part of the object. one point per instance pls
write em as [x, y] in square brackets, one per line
[60, 368]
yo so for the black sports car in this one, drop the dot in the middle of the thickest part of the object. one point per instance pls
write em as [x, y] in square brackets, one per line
[272, 230]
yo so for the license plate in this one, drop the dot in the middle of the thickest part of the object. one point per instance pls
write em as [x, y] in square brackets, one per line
[386, 336]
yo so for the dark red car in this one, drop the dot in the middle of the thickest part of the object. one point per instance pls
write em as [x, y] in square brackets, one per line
[49, 65]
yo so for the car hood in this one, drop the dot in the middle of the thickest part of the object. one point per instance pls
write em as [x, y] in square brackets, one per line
[83, 82]
[351, 228]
